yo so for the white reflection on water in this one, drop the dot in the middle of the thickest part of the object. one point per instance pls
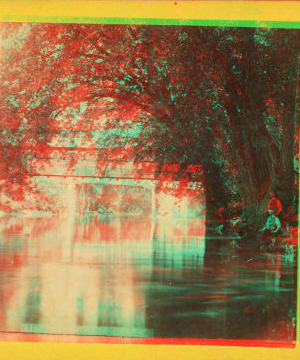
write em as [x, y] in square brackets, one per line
[80, 272]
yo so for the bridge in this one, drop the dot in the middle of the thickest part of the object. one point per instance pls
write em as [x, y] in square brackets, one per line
[82, 165]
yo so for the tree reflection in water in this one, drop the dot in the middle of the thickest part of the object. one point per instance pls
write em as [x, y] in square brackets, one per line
[138, 276]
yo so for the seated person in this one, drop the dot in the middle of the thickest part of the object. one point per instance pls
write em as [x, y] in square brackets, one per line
[242, 226]
[273, 224]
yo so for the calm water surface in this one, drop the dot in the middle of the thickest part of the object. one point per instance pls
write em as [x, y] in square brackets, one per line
[133, 276]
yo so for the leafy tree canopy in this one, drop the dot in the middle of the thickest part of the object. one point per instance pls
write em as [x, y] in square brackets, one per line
[221, 98]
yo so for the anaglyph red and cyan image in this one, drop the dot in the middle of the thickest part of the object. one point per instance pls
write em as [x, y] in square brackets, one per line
[149, 184]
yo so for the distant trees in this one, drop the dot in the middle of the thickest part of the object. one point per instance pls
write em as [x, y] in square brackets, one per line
[222, 98]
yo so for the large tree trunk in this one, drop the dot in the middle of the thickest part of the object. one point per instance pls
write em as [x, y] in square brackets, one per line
[286, 178]
[257, 152]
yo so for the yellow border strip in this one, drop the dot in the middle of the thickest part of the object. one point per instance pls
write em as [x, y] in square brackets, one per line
[48, 351]
[208, 10]
[243, 11]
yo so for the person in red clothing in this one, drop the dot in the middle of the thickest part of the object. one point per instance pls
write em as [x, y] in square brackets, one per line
[274, 204]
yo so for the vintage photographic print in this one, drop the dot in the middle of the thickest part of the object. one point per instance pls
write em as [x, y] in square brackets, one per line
[149, 183]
